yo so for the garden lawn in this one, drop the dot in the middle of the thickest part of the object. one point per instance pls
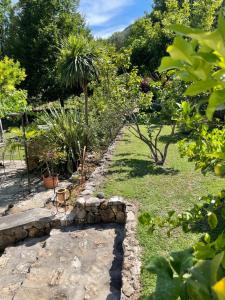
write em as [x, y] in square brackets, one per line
[157, 190]
[16, 154]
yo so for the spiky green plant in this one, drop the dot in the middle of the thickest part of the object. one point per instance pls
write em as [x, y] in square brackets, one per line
[77, 65]
[67, 129]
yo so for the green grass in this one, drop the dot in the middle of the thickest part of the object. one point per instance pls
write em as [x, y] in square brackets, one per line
[157, 190]
[17, 154]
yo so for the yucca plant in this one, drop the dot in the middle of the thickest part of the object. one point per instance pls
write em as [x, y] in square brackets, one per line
[67, 129]
[77, 65]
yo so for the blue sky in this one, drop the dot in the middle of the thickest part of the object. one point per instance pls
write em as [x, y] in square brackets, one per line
[107, 16]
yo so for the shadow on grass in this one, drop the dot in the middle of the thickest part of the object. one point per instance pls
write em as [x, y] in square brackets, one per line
[139, 168]
[178, 136]
[126, 140]
[124, 154]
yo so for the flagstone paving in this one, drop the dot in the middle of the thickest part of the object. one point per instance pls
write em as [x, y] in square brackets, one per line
[79, 263]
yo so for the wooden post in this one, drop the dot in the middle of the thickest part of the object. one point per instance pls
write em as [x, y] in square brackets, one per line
[26, 152]
[1, 132]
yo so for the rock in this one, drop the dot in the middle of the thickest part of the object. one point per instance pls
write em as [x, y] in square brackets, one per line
[80, 201]
[93, 218]
[20, 234]
[128, 290]
[79, 213]
[130, 216]
[116, 200]
[104, 204]
[120, 217]
[6, 240]
[76, 263]
[100, 195]
[33, 232]
[107, 215]
[92, 201]
[87, 192]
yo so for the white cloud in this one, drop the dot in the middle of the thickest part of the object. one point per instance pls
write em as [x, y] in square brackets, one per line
[105, 33]
[99, 12]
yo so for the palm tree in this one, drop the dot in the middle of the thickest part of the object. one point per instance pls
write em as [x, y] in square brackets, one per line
[77, 65]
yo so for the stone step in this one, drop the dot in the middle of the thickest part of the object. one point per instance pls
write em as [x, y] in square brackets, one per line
[31, 223]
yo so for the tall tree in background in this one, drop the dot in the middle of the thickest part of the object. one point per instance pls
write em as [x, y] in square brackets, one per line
[5, 10]
[36, 32]
[77, 65]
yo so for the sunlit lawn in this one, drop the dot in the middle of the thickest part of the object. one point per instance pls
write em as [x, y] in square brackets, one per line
[157, 190]
[7, 154]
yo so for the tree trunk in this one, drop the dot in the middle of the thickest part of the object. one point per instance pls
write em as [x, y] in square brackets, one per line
[61, 100]
[1, 132]
[86, 103]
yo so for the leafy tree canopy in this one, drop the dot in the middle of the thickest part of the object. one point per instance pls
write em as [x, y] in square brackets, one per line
[11, 99]
[37, 29]
[149, 36]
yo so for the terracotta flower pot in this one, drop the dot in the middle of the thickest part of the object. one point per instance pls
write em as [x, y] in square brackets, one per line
[51, 182]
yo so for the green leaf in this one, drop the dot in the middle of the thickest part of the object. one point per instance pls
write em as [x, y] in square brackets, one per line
[181, 50]
[216, 99]
[186, 107]
[203, 251]
[171, 213]
[182, 261]
[212, 220]
[209, 267]
[197, 291]
[184, 30]
[213, 40]
[220, 242]
[221, 25]
[168, 63]
[160, 266]
[167, 289]
[200, 87]
[215, 264]
[145, 218]
[209, 57]
[219, 155]
[207, 238]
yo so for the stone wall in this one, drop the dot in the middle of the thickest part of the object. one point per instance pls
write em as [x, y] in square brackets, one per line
[32, 223]
[91, 210]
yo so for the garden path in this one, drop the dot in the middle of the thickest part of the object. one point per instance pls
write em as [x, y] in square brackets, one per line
[12, 183]
[14, 196]
[78, 262]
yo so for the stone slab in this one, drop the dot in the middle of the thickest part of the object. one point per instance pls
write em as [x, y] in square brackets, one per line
[25, 218]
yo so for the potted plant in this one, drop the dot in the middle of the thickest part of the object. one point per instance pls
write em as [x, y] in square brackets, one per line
[51, 160]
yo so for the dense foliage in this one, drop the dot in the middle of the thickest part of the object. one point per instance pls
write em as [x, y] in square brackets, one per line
[35, 34]
[11, 99]
[149, 36]
[198, 272]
